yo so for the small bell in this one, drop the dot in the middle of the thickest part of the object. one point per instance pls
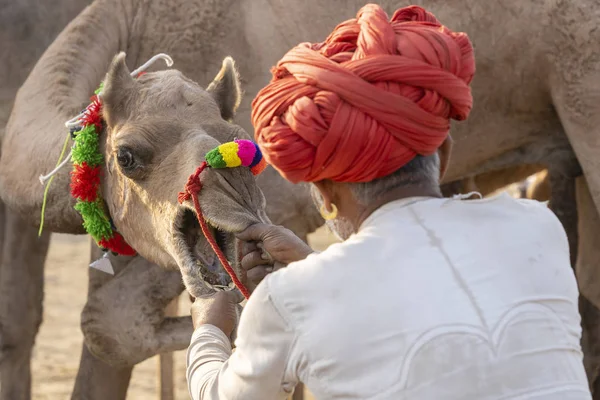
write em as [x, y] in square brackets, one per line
[103, 264]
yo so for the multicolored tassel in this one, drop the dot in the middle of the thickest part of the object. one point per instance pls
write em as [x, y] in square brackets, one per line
[237, 153]
[85, 177]
[85, 182]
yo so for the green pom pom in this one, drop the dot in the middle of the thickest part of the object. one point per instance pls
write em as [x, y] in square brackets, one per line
[97, 91]
[215, 159]
[87, 148]
[95, 221]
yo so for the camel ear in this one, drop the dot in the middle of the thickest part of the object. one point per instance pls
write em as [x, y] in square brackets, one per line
[225, 89]
[118, 90]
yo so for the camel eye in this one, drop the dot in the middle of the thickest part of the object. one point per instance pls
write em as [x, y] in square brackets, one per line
[125, 158]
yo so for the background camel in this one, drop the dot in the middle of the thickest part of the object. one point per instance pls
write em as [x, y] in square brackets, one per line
[27, 28]
[512, 123]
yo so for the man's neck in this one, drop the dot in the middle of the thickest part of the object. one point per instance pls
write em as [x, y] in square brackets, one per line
[393, 195]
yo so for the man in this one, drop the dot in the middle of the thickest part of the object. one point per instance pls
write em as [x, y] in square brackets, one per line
[426, 297]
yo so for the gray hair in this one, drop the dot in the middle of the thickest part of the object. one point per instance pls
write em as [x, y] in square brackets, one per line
[421, 171]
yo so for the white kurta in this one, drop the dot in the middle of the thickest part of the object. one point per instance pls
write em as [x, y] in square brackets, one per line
[432, 299]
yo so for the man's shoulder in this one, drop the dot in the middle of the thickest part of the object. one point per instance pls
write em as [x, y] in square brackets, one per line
[504, 205]
[296, 288]
[531, 211]
[525, 216]
[313, 269]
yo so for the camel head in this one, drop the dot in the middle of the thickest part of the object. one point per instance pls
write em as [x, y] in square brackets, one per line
[159, 128]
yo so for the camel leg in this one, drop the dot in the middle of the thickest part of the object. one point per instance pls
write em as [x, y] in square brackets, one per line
[2, 228]
[590, 316]
[96, 380]
[21, 296]
[563, 203]
[166, 364]
[588, 278]
[123, 324]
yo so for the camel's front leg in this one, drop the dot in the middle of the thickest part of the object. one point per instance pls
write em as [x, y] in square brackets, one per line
[123, 324]
[124, 321]
[588, 278]
[22, 257]
[563, 203]
[97, 380]
[166, 366]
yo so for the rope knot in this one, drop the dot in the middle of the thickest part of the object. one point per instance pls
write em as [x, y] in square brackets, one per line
[193, 184]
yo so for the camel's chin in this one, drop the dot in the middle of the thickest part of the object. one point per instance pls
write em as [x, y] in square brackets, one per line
[195, 252]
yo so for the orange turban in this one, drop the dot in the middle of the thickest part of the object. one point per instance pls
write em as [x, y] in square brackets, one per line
[366, 101]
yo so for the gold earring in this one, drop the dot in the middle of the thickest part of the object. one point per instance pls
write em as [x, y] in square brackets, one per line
[328, 216]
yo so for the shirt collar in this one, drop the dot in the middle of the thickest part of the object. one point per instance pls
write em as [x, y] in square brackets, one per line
[391, 207]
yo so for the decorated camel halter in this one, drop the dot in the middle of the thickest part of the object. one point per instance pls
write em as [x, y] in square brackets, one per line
[85, 177]
[228, 155]
[87, 159]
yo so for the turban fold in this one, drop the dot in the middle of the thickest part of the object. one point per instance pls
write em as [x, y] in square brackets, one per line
[367, 100]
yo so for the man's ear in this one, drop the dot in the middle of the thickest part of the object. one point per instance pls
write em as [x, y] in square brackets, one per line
[326, 191]
[444, 152]
[225, 89]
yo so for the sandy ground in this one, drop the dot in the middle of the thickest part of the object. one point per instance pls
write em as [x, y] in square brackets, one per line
[58, 346]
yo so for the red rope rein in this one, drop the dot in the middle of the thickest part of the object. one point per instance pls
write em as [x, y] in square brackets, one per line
[191, 190]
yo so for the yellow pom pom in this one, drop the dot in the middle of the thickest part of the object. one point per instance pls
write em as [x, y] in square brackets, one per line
[229, 152]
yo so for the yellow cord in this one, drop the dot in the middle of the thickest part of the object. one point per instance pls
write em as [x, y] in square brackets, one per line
[62, 154]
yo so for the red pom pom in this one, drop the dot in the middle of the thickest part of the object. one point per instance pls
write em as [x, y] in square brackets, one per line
[85, 181]
[117, 244]
[260, 167]
[92, 114]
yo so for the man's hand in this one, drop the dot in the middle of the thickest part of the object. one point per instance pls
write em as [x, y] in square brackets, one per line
[267, 248]
[219, 309]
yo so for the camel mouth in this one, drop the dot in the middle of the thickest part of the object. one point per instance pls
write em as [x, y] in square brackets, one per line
[195, 251]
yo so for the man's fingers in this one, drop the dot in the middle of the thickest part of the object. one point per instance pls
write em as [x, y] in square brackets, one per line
[254, 232]
[248, 247]
[278, 265]
[208, 299]
[253, 259]
[257, 274]
[235, 296]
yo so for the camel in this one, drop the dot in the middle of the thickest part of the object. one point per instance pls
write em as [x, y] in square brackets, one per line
[533, 98]
[222, 191]
[22, 44]
[27, 28]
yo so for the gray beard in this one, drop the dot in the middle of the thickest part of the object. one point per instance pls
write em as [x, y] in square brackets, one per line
[341, 227]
